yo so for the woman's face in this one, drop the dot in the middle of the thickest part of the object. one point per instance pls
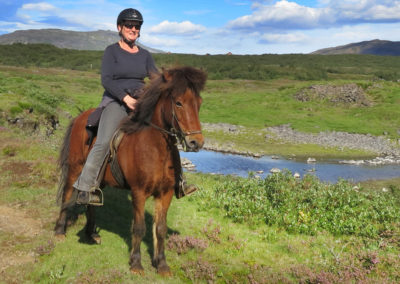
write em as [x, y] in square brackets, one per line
[130, 30]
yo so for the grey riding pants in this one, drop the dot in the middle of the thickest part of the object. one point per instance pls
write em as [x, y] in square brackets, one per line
[109, 122]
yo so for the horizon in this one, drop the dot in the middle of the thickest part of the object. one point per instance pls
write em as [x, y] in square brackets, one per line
[219, 27]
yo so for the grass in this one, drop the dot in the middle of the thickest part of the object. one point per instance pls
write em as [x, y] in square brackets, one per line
[253, 104]
[206, 243]
[218, 235]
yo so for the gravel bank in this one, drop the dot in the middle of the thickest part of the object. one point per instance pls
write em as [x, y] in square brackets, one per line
[380, 145]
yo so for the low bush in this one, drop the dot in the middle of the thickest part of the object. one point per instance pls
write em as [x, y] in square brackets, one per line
[307, 205]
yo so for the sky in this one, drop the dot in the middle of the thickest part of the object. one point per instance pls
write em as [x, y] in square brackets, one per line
[219, 26]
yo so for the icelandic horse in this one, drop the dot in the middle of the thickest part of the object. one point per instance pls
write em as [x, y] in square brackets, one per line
[166, 113]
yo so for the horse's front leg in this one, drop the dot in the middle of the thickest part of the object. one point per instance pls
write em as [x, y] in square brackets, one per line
[138, 232]
[160, 231]
[90, 228]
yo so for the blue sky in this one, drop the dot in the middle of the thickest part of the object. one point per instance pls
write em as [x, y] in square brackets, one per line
[219, 26]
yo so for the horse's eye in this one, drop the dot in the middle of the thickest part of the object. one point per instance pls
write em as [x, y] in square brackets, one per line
[178, 104]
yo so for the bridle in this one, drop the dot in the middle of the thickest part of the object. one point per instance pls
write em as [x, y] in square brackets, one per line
[179, 133]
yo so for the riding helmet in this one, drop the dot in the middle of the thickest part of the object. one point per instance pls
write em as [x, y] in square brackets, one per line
[129, 15]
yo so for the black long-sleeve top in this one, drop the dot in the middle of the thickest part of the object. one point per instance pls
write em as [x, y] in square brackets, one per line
[123, 72]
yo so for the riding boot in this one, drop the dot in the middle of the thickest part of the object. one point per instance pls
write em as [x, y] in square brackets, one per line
[94, 197]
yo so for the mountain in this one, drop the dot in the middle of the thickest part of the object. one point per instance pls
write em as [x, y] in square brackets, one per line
[374, 47]
[97, 40]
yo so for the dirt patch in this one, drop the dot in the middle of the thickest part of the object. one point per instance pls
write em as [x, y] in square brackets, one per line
[17, 224]
[346, 94]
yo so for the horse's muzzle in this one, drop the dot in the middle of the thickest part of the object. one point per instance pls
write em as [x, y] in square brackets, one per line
[194, 143]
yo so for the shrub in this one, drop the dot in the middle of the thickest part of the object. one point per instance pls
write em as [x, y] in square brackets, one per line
[307, 205]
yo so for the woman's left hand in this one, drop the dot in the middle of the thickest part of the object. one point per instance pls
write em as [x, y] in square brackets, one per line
[129, 101]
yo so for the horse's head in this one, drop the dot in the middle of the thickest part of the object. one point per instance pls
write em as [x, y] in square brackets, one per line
[183, 86]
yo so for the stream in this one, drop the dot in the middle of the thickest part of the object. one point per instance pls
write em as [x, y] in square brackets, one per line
[229, 164]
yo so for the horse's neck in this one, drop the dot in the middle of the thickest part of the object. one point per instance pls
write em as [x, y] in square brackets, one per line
[159, 117]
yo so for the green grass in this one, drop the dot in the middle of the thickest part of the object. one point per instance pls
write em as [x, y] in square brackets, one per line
[235, 230]
[222, 229]
[263, 104]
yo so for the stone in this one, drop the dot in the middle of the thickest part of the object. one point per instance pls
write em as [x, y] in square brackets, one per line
[275, 170]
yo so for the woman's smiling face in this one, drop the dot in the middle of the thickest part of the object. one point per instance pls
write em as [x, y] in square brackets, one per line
[130, 30]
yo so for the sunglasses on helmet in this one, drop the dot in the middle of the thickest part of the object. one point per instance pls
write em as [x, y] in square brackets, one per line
[130, 26]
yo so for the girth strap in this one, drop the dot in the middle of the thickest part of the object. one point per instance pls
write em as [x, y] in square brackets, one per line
[115, 168]
[111, 158]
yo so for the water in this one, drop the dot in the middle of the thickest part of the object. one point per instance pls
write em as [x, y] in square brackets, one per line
[218, 163]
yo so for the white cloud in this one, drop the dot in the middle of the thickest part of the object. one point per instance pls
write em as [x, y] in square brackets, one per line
[284, 38]
[282, 15]
[42, 6]
[290, 15]
[159, 42]
[175, 28]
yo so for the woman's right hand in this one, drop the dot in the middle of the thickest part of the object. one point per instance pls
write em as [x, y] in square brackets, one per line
[130, 102]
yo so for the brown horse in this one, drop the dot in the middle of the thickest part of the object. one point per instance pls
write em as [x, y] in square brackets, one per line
[167, 112]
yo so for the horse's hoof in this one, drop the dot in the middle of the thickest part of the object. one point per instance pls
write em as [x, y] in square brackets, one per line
[59, 237]
[164, 271]
[96, 238]
[137, 271]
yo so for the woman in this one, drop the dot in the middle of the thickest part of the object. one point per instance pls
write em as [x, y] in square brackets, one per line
[124, 67]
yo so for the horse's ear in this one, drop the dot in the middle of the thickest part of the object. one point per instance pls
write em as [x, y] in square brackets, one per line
[166, 75]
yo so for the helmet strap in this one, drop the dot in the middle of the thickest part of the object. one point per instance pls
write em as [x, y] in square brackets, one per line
[130, 43]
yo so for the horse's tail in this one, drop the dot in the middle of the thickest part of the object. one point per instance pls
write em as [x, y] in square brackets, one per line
[63, 164]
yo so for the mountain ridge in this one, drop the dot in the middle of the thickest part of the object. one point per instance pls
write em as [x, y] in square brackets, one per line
[373, 47]
[92, 40]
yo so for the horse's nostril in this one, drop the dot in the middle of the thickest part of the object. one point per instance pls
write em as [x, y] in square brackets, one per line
[193, 144]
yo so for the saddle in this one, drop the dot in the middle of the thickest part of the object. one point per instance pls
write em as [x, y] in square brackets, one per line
[111, 158]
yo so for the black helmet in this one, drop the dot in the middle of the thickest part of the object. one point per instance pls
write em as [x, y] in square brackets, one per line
[129, 15]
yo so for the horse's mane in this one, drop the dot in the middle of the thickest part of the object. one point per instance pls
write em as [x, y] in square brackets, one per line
[172, 82]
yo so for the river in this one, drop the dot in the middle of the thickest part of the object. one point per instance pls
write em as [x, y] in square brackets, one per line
[219, 163]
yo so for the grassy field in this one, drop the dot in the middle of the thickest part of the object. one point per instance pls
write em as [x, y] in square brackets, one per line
[309, 232]
[278, 230]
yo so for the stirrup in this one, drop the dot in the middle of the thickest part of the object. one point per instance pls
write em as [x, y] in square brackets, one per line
[93, 197]
[185, 189]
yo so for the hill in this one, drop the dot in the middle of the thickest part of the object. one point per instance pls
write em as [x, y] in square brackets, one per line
[373, 47]
[96, 40]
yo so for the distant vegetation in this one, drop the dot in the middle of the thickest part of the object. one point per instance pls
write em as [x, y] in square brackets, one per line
[253, 67]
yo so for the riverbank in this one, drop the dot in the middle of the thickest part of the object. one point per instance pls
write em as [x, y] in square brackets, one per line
[381, 150]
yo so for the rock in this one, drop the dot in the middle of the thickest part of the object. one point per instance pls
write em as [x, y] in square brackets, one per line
[187, 164]
[311, 160]
[275, 170]
[260, 172]
[352, 162]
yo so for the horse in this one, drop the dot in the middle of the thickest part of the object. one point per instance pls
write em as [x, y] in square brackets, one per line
[166, 113]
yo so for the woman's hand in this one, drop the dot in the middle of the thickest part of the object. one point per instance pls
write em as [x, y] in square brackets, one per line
[130, 102]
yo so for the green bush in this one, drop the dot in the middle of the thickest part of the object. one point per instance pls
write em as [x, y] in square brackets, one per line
[307, 205]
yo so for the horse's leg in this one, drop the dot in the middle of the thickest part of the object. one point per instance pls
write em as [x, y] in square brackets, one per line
[61, 224]
[138, 232]
[160, 231]
[90, 228]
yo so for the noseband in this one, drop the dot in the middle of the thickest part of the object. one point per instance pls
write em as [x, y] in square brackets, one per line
[178, 133]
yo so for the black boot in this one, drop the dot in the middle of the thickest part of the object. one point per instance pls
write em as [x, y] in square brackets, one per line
[94, 197]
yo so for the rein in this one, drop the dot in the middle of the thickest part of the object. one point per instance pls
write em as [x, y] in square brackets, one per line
[178, 133]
